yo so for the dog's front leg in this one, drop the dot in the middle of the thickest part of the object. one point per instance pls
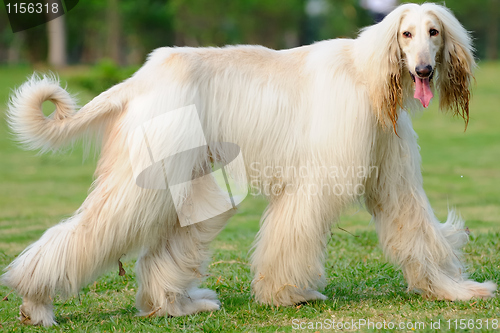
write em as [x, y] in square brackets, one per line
[289, 251]
[411, 236]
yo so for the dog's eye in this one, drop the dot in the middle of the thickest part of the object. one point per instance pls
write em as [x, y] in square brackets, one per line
[407, 34]
[433, 32]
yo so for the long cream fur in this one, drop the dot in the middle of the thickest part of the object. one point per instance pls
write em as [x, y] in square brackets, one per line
[341, 103]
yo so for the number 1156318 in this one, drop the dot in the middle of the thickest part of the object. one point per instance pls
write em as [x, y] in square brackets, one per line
[472, 324]
[32, 8]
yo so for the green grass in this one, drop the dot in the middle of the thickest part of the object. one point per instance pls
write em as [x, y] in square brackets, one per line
[460, 170]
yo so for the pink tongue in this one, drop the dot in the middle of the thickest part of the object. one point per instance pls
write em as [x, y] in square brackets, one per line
[423, 91]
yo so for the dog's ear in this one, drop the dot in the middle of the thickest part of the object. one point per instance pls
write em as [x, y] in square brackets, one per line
[456, 63]
[383, 65]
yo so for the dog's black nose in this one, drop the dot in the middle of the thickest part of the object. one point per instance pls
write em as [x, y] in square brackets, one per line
[423, 71]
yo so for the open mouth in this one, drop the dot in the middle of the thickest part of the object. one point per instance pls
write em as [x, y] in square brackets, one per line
[423, 91]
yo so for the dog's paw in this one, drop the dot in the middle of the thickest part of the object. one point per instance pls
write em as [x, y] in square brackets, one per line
[178, 304]
[472, 289]
[461, 291]
[313, 295]
[188, 306]
[288, 295]
[207, 294]
[31, 313]
[304, 296]
[200, 305]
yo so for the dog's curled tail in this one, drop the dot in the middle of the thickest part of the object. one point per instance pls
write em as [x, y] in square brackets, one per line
[36, 131]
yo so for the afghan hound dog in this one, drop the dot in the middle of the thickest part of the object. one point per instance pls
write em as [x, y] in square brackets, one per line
[312, 117]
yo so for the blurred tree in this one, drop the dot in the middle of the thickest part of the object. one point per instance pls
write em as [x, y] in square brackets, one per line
[271, 23]
[34, 48]
[56, 36]
[338, 18]
[123, 31]
[126, 30]
[114, 35]
[86, 31]
[492, 34]
[149, 25]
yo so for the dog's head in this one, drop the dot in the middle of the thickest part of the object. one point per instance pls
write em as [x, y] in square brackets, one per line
[422, 47]
[421, 41]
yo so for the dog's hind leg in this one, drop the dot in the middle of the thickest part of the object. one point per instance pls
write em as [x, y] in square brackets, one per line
[289, 251]
[169, 271]
[45, 268]
[428, 252]
[112, 220]
[68, 256]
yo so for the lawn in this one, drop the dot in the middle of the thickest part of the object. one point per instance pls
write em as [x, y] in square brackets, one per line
[461, 169]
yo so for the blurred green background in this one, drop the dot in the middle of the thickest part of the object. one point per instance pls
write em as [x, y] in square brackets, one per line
[104, 42]
[100, 43]
[125, 31]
